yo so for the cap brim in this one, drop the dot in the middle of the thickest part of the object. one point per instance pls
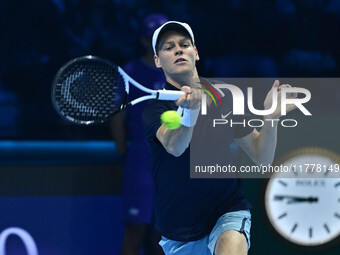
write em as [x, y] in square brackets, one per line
[172, 27]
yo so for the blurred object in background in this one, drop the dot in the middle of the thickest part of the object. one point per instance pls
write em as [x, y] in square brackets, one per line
[312, 62]
[310, 46]
[128, 127]
[8, 113]
[333, 6]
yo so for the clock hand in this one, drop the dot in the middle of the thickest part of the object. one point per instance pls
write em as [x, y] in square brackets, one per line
[296, 199]
[302, 199]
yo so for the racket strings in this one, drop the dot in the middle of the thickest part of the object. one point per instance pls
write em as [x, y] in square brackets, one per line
[90, 91]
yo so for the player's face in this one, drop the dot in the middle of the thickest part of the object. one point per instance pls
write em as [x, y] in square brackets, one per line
[176, 54]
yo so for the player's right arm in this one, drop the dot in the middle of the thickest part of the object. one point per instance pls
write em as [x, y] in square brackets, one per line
[176, 141]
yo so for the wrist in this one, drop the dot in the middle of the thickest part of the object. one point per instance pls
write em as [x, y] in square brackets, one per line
[189, 116]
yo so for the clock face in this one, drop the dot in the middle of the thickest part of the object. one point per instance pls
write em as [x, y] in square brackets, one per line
[303, 205]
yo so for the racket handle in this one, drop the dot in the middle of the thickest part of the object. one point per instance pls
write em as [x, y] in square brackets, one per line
[169, 94]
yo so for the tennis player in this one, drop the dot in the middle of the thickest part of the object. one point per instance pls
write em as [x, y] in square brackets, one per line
[196, 216]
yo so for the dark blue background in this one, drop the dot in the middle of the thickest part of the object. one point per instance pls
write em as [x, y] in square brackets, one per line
[70, 203]
[64, 224]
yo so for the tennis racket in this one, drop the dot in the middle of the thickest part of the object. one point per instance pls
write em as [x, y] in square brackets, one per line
[90, 90]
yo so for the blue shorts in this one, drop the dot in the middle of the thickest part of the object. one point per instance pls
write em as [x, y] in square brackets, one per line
[239, 221]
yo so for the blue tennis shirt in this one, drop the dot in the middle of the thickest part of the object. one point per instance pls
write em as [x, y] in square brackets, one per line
[187, 209]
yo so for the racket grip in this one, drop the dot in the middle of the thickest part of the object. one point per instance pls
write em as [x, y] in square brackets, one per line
[169, 94]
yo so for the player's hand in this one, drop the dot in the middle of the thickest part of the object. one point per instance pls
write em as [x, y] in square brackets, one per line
[268, 102]
[191, 99]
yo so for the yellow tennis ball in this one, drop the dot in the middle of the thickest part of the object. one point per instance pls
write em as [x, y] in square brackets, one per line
[171, 119]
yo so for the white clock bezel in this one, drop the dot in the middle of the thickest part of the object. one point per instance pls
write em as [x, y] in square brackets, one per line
[272, 220]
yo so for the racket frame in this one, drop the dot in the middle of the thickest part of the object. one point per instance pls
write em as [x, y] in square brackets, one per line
[162, 94]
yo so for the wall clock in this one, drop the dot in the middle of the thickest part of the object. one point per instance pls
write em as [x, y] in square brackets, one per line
[302, 205]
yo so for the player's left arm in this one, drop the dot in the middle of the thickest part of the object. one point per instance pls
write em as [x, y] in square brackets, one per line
[260, 146]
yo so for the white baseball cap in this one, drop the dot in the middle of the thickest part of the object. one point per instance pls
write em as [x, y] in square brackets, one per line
[171, 25]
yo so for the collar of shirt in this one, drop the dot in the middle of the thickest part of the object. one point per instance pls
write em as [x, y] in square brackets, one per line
[169, 86]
